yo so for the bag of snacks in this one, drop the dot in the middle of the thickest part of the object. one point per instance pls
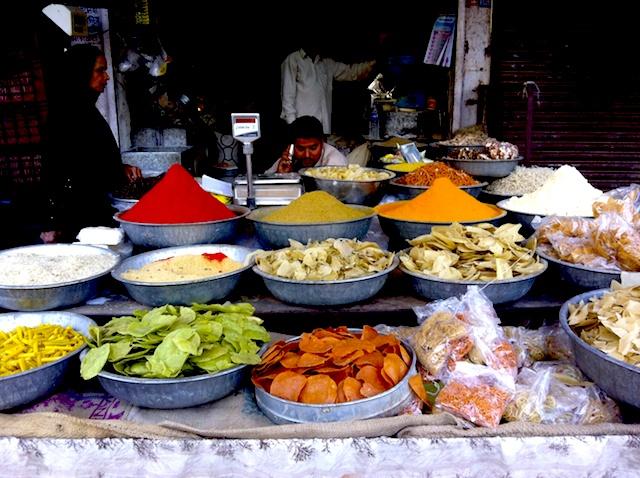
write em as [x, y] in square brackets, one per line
[558, 393]
[476, 393]
[534, 345]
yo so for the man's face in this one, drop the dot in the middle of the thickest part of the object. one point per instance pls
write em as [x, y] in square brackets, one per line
[99, 76]
[307, 151]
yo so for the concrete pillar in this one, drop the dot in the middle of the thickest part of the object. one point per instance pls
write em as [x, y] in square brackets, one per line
[473, 61]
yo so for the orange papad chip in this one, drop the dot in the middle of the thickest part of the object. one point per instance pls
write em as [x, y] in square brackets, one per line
[332, 365]
[288, 385]
[319, 389]
[417, 385]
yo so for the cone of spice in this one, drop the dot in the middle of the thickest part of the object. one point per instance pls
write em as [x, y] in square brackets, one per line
[177, 199]
[442, 202]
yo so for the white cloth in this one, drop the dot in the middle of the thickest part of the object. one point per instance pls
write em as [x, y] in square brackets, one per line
[330, 157]
[307, 85]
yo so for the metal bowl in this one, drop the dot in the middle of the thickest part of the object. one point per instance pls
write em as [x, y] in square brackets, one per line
[26, 387]
[399, 230]
[367, 192]
[170, 393]
[325, 293]
[579, 275]
[185, 292]
[494, 168]
[277, 235]
[51, 296]
[498, 291]
[170, 235]
[493, 198]
[386, 404]
[619, 379]
[526, 219]
[409, 191]
[121, 204]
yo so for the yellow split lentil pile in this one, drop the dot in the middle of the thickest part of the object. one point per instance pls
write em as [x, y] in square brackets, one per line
[315, 207]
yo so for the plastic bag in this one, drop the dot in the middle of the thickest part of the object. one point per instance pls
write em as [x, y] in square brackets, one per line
[477, 393]
[360, 155]
[475, 321]
[558, 393]
[610, 241]
[534, 345]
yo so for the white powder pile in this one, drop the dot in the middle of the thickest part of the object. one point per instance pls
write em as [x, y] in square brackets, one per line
[565, 193]
[31, 269]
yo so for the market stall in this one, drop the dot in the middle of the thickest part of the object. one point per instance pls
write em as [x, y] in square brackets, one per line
[465, 349]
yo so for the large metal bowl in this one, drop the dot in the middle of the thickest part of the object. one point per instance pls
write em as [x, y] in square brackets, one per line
[170, 393]
[494, 168]
[277, 235]
[325, 293]
[619, 379]
[409, 191]
[385, 404]
[367, 192]
[26, 387]
[170, 235]
[400, 231]
[51, 296]
[203, 291]
[581, 276]
[493, 198]
[498, 291]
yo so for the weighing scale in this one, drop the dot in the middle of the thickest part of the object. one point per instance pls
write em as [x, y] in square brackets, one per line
[263, 190]
[245, 128]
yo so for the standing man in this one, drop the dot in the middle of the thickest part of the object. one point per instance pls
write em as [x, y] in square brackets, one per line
[307, 84]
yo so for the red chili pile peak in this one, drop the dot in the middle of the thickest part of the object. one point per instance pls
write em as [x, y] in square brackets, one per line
[177, 199]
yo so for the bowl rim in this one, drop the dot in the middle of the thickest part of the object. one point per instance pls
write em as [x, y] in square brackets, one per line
[534, 214]
[90, 323]
[550, 258]
[442, 144]
[483, 161]
[577, 340]
[116, 377]
[394, 264]
[430, 278]
[263, 210]
[304, 172]
[504, 196]
[394, 182]
[241, 211]
[502, 214]
[104, 251]
[411, 368]
[117, 272]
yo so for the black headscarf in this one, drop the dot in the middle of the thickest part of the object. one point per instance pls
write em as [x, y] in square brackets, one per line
[83, 163]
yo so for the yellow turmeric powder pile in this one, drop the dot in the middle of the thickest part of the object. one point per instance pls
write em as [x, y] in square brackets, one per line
[315, 207]
[442, 202]
[25, 348]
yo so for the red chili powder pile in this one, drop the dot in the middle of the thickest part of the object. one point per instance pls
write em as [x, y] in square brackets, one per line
[177, 199]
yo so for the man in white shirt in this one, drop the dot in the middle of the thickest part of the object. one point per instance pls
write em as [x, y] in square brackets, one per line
[309, 148]
[307, 84]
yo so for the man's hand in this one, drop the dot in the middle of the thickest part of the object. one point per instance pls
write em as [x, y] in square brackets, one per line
[50, 237]
[285, 163]
[132, 172]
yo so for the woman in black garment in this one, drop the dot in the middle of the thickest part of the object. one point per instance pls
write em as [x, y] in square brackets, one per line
[84, 163]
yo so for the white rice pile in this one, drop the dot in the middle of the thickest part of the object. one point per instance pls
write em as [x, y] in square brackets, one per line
[521, 181]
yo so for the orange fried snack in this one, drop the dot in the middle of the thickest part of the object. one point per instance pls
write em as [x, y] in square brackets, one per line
[332, 365]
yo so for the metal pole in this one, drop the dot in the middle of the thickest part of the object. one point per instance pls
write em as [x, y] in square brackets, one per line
[251, 195]
[532, 93]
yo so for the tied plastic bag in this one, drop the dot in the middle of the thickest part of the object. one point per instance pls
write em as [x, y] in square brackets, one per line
[477, 393]
[534, 345]
[558, 393]
[611, 241]
[466, 328]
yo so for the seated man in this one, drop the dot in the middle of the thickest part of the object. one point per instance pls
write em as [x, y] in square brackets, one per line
[309, 148]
